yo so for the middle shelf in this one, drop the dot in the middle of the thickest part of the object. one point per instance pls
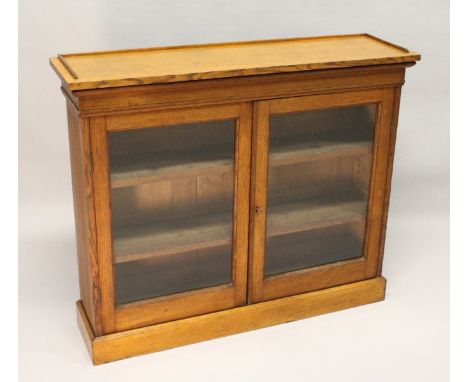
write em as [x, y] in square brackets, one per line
[186, 235]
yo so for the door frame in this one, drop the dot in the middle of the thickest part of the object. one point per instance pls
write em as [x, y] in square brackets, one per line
[306, 280]
[167, 308]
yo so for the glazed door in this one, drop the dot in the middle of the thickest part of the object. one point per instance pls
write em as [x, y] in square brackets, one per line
[319, 175]
[174, 242]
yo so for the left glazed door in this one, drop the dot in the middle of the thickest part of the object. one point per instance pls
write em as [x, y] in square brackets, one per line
[171, 197]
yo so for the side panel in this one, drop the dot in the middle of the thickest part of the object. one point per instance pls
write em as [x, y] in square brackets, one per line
[99, 146]
[83, 198]
[391, 156]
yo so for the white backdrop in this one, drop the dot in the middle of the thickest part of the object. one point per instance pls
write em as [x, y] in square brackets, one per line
[404, 338]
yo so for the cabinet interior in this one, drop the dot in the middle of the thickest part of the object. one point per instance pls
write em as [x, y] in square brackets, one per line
[173, 199]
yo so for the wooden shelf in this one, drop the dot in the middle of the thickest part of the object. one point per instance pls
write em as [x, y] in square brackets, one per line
[324, 145]
[135, 170]
[182, 236]
[167, 238]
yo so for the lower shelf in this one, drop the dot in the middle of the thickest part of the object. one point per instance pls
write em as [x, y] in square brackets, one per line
[182, 272]
[168, 335]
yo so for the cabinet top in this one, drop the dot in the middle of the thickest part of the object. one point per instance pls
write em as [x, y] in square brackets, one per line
[95, 70]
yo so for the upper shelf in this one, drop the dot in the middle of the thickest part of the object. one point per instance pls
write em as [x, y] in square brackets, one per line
[108, 69]
[133, 170]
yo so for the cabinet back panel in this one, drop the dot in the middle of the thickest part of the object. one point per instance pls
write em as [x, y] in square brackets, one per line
[173, 199]
[322, 177]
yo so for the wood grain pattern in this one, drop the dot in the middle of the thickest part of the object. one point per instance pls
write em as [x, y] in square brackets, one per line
[195, 329]
[247, 82]
[85, 223]
[310, 279]
[174, 307]
[172, 117]
[198, 62]
[203, 301]
[317, 102]
[258, 199]
[241, 203]
[391, 156]
[377, 188]
[99, 145]
[112, 101]
[85, 327]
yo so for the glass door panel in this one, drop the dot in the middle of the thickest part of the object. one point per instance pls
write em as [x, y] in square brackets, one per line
[172, 197]
[318, 181]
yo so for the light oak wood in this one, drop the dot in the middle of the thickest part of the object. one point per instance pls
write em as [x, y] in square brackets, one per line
[134, 216]
[265, 288]
[172, 117]
[100, 173]
[241, 203]
[391, 155]
[377, 188]
[210, 299]
[112, 101]
[195, 329]
[258, 198]
[85, 327]
[85, 221]
[198, 62]
[174, 307]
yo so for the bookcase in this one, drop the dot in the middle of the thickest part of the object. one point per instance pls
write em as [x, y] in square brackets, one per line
[221, 188]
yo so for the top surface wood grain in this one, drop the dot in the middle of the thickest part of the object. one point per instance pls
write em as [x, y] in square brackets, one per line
[196, 62]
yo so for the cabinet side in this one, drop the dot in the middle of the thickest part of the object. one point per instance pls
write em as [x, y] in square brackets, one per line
[81, 169]
[388, 183]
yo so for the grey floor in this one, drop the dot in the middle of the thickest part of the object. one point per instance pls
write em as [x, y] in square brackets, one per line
[404, 338]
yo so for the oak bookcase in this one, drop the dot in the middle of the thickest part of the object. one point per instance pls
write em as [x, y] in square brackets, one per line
[226, 187]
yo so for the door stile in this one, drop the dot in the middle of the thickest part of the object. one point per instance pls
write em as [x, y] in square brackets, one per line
[258, 198]
[100, 155]
[241, 202]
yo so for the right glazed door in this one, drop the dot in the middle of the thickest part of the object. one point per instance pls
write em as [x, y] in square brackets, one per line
[320, 170]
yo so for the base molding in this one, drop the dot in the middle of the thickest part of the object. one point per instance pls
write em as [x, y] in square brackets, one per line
[186, 331]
